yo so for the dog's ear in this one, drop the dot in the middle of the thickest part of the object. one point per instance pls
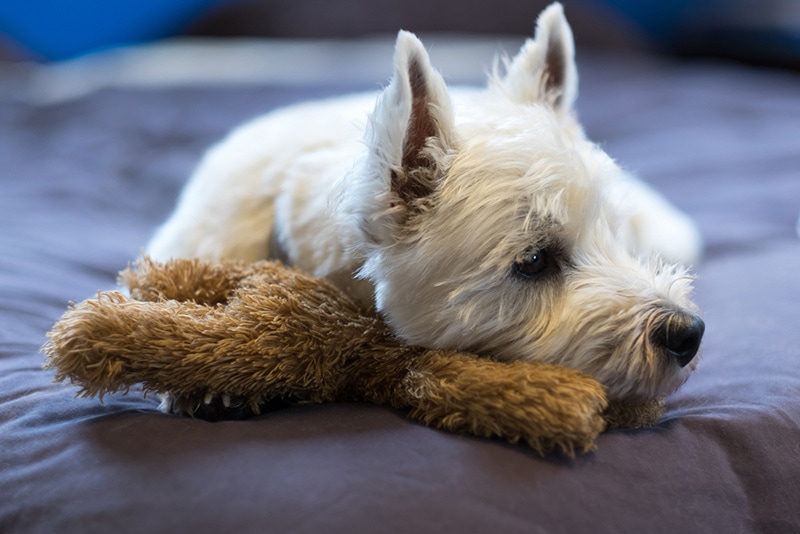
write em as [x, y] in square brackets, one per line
[544, 69]
[413, 122]
[409, 137]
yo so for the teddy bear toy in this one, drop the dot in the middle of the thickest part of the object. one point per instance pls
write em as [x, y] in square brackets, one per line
[223, 339]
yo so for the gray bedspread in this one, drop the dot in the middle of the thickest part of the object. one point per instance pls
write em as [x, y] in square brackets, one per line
[83, 183]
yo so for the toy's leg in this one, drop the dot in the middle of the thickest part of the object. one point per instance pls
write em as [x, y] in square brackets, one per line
[111, 342]
[546, 406]
[282, 343]
[203, 282]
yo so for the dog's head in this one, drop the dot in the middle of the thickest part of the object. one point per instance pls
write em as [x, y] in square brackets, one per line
[493, 229]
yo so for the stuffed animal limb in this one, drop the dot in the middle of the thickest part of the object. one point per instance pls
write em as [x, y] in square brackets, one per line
[197, 331]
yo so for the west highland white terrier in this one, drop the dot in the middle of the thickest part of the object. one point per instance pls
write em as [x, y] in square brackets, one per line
[482, 221]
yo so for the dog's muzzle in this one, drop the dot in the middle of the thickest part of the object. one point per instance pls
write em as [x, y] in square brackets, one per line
[680, 337]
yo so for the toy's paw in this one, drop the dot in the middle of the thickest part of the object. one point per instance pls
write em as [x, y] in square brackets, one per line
[634, 415]
[545, 406]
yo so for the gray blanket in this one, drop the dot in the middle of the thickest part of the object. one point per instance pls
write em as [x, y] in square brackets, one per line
[85, 182]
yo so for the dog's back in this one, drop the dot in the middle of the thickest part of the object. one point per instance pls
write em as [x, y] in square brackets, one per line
[291, 156]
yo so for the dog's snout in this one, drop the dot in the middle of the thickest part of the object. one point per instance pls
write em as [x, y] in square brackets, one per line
[681, 336]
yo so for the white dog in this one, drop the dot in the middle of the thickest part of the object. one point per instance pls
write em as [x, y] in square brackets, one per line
[483, 221]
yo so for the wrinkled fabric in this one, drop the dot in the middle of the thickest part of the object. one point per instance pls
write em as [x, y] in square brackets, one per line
[85, 182]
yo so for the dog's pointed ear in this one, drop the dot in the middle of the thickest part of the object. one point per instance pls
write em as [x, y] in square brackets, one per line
[413, 122]
[410, 138]
[544, 69]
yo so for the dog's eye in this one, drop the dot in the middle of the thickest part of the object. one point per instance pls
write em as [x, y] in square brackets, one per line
[534, 265]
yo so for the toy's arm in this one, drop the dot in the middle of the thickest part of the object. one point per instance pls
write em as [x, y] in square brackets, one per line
[545, 406]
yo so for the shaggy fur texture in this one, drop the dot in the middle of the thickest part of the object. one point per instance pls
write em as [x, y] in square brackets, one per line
[476, 220]
[206, 332]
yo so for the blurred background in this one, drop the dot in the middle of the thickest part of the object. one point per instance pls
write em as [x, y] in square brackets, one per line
[763, 32]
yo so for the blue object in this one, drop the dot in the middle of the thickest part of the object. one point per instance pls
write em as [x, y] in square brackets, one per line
[665, 21]
[61, 29]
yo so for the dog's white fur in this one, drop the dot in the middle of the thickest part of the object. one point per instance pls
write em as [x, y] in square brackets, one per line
[440, 201]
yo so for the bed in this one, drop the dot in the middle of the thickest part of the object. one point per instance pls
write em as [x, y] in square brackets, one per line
[86, 177]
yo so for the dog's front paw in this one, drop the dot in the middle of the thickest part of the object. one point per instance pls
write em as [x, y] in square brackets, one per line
[634, 414]
[213, 408]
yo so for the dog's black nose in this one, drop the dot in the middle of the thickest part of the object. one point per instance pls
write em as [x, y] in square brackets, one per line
[681, 336]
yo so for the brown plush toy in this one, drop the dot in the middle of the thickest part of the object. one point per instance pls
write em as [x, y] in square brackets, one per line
[230, 333]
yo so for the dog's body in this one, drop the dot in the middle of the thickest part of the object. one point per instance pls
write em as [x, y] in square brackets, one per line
[481, 221]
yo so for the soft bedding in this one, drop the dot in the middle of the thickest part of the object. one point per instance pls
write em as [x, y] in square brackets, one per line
[84, 182]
